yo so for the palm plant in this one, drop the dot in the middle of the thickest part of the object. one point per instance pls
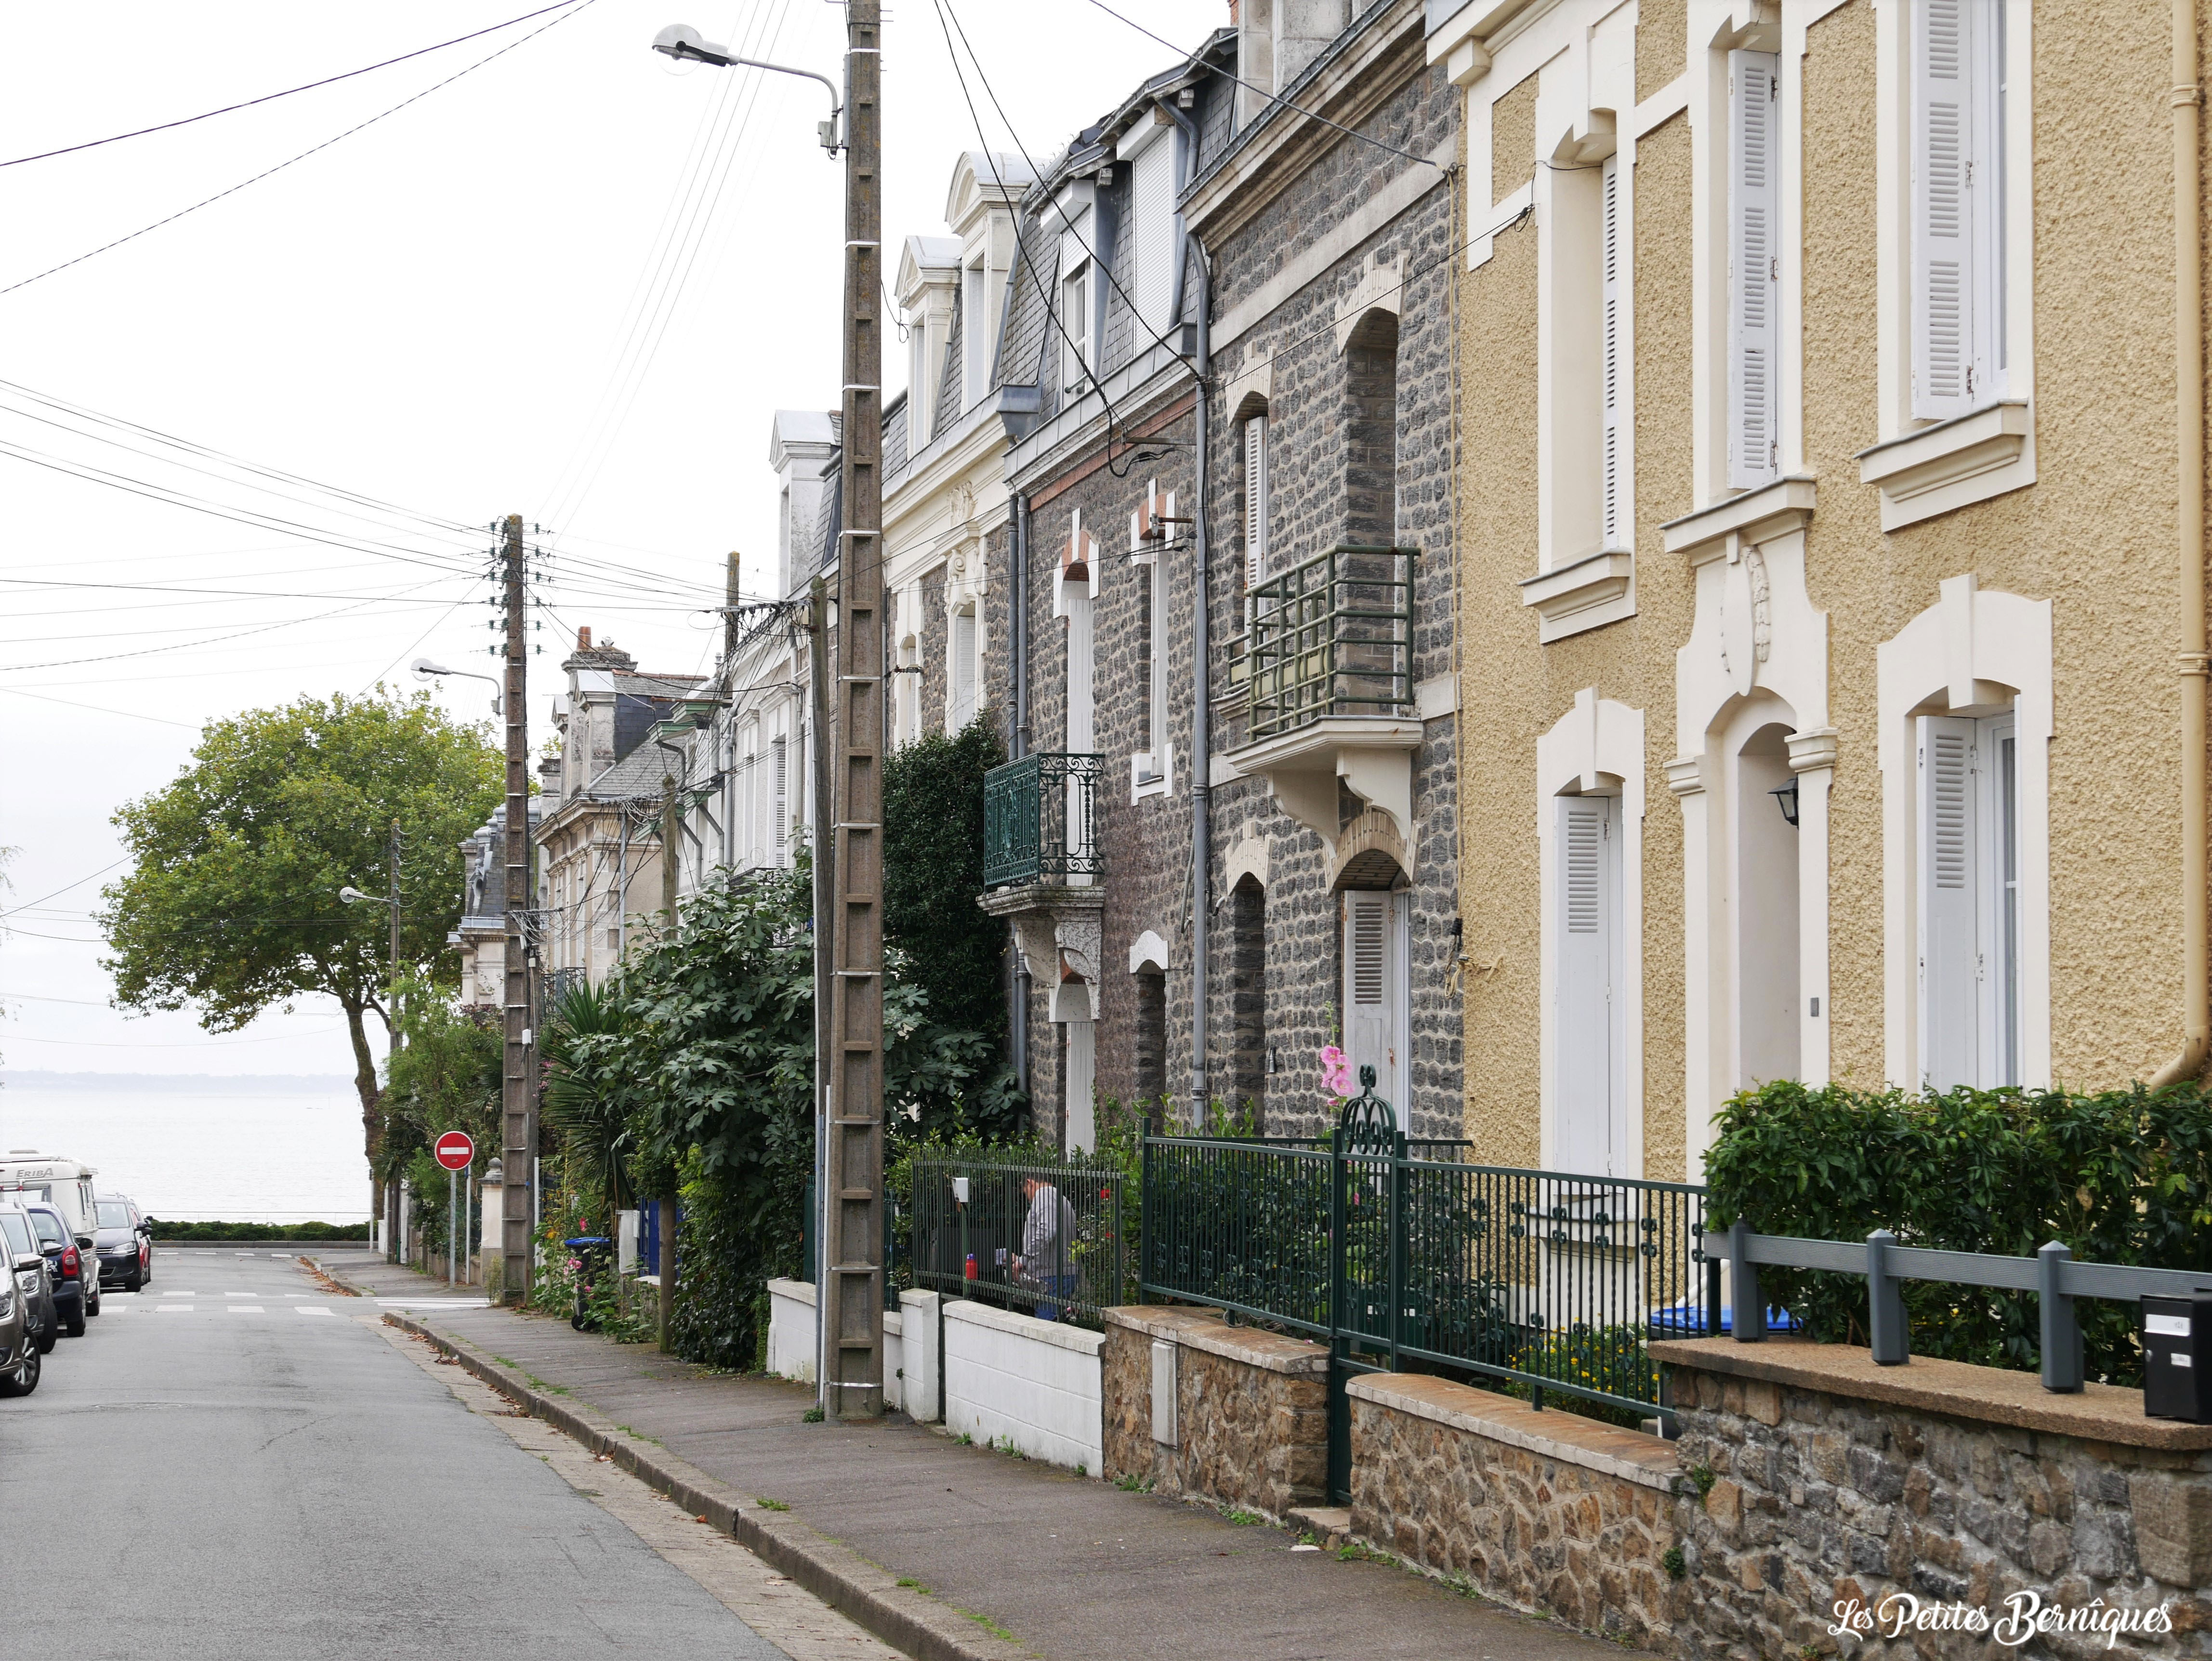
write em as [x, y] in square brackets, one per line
[587, 1098]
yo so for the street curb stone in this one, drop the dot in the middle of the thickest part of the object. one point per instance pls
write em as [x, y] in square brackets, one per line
[902, 1616]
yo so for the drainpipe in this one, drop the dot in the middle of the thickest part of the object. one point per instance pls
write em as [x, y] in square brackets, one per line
[1018, 1025]
[2189, 389]
[1201, 663]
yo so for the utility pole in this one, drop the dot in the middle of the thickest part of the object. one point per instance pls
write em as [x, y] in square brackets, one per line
[394, 993]
[671, 831]
[517, 1100]
[851, 1293]
[818, 743]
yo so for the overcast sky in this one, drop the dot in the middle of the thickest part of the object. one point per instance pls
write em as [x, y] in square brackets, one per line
[570, 284]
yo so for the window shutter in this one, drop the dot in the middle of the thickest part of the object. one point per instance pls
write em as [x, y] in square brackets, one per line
[1151, 204]
[1609, 349]
[963, 671]
[1255, 501]
[780, 804]
[1950, 1002]
[1582, 1024]
[1754, 269]
[1945, 284]
[1370, 987]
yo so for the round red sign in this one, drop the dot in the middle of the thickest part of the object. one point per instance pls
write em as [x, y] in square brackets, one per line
[455, 1151]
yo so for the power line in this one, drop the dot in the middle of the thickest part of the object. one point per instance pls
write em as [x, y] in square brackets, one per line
[181, 212]
[213, 640]
[271, 98]
[97, 709]
[64, 889]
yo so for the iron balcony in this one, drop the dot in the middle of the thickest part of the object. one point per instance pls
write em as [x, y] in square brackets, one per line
[1037, 821]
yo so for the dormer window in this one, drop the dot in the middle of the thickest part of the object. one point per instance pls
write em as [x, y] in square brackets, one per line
[1075, 328]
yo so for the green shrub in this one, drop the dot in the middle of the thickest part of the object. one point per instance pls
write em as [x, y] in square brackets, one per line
[2121, 1176]
[173, 1233]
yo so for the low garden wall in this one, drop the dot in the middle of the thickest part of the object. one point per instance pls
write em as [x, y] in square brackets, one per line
[909, 1370]
[1013, 1380]
[1239, 1417]
[1821, 1484]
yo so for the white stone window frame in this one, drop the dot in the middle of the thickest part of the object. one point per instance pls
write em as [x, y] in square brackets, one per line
[1923, 468]
[1596, 748]
[1151, 771]
[1758, 652]
[965, 592]
[1980, 653]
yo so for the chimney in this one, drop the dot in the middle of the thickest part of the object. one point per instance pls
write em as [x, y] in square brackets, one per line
[584, 639]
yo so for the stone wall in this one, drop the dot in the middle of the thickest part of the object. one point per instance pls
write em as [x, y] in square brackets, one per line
[1251, 1427]
[1543, 1509]
[1830, 1479]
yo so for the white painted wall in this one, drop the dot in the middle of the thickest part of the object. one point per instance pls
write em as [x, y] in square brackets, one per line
[1038, 1383]
[791, 1340]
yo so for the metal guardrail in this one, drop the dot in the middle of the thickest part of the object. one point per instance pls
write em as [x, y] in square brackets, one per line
[1332, 636]
[2052, 1275]
[1037, 820]
[971, 1216]
[1548, 1281]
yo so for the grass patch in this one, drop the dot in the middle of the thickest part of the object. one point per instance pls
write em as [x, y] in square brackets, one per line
[989, 1625]
[812, 1416]
[964, 1440]
[913, 1584]
[537, 1382]
[1133, 1483]
[1005, 1445]
[639, 1436]
[507, 1362]
[1703, 1477]
[1241, 1517]
[767, 1503]
[1355, 1553]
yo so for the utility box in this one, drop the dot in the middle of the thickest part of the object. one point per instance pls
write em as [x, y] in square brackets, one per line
[2177, 1343]
[626, 1242]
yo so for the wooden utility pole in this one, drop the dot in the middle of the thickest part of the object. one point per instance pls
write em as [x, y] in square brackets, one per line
[517, 1100]
[852, 1286]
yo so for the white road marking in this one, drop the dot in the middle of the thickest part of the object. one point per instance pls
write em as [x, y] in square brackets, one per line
[241, 1294]
[173, 1309]
[310, 1309]
[180, 1294]
[245, 1309]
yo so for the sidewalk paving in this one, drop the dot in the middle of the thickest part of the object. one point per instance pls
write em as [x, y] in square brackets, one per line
[1072, 1567]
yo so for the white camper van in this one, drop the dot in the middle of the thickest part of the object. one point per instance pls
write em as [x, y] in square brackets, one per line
[27, 1175]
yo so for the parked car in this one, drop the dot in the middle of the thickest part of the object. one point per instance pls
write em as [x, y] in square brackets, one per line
[20, 1357]
[29, 1177]
[71, 1267]
[33, 1283]
[124, 1242]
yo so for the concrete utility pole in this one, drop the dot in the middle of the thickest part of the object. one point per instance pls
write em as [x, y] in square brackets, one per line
[852, 1286]
[394, 992]
[671, 831]
[517, 1099]
[817, 745]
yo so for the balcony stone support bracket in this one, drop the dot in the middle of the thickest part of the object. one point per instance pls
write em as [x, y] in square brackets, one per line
[1372, 755]
[1059, 929]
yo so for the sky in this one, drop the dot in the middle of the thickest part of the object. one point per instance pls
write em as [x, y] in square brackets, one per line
[569, 285]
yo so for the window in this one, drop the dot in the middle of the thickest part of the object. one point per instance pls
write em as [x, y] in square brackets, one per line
[1255, 501]
[1958, 193]
[1075, 329]
[780, 796]
[1152, 212]
[1755, 269]
[975, 333]
[1371, 365]
[1374, 969]
[1969, 882]
[1609, 387]
[1589, 931]
[960, 706]
[1248, 999]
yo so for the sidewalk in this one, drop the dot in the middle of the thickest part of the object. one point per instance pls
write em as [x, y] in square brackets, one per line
[1070, 1568]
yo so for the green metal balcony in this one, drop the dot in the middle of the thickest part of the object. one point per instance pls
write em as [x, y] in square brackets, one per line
[1037, 823]
[1332, 636]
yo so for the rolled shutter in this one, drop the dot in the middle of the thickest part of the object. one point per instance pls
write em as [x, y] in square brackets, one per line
[1609, 350]
[1152, 205]
[963, 671]
[1754, 269]
[1586, 931]
[1255, 501]
[1950, 843]
[780, 803]
[1945, 284]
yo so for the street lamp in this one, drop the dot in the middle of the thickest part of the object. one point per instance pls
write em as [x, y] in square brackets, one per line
[426, 667]
[681, 42]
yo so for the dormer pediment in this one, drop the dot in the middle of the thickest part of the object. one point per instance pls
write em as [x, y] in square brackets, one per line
[926, 262]
[980, 181]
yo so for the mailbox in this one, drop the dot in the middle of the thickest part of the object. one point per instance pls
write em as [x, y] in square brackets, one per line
[2177, 1343]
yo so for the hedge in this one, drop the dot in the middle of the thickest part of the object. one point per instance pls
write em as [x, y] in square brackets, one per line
[2120, 1177]
[167, 1233]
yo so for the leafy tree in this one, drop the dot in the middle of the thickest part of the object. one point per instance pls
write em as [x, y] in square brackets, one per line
[232, 903]
[933, 871]
[444, 1075]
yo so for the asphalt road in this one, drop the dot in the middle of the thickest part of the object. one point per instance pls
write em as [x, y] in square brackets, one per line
[235, 1464]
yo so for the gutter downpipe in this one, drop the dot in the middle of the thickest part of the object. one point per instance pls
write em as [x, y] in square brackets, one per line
[1201, 660]
[2189, 389]
[1018, 1025]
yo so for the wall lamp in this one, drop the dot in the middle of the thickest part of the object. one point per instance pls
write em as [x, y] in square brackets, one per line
[1785, 797]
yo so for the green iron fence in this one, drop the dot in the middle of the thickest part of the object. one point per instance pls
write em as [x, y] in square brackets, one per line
[1547, 1282]
[1038, 824]
[1332, 636]
[1047, 1239]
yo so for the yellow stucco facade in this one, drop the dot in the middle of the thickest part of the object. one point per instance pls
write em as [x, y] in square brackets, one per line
[2056, 495]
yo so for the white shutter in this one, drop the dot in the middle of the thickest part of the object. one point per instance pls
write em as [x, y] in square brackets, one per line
[1754, 269]
[1587, 928]
[1949, 850]
[780, 802]
[963, 671]
[1372, 988]
[1609, 349]
[1944, 284]
[1255, 501]
[974, 339]
[1152, 205]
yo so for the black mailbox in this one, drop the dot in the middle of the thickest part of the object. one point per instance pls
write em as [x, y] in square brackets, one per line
[2176, 1342]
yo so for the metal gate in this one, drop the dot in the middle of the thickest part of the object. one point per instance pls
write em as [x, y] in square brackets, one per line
[1367, 1261]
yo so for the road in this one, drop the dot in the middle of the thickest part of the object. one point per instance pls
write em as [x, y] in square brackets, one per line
[236, 1463]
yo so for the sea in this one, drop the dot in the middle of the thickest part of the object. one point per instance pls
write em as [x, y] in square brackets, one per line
[262, 1148]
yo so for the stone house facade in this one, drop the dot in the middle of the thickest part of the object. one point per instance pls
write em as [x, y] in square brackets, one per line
[1820, 541]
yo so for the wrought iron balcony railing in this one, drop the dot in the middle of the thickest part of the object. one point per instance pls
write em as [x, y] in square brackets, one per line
[1332, 636]
[1038, 825]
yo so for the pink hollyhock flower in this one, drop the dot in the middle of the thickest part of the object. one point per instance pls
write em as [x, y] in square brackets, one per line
[1335, 1071]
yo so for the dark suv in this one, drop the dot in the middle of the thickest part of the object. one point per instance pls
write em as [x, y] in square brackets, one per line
[124, 1243]
[76, 1281]
[34, 1286]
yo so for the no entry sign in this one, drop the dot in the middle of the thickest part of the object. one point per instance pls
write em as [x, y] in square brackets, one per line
[455, 1151]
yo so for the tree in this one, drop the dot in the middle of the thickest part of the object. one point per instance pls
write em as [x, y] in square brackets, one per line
[933, 872]
[232, 905]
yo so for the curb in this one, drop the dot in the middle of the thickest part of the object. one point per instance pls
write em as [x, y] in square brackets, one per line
[906, 1618]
